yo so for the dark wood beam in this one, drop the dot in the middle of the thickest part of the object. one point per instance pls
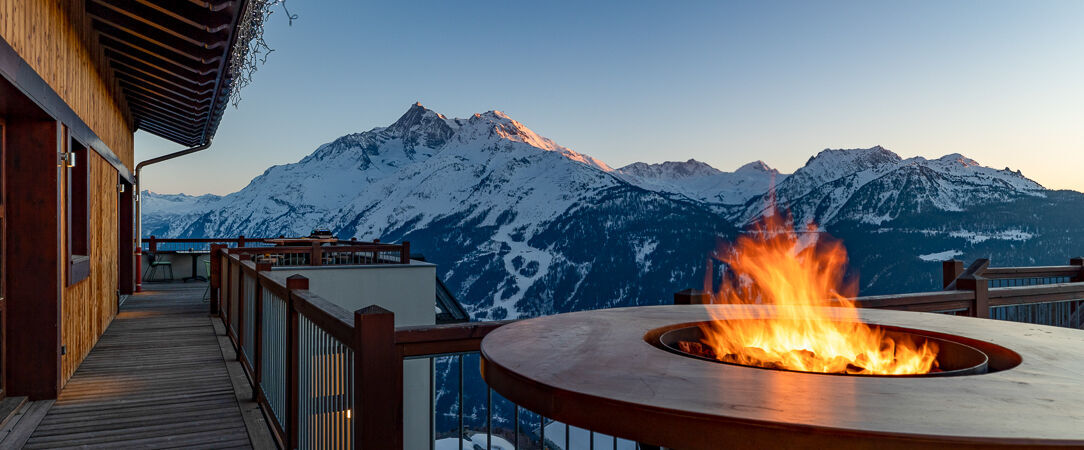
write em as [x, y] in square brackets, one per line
[111, 43]
[194, 103]
[156, 44]
[123, 68]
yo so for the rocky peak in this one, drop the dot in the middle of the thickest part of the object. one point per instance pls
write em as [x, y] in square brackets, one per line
[958, 159]
[420, 125]
[757, 166]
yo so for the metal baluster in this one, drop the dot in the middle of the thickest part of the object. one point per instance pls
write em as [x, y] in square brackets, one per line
[489, 418]
[568, 431]
[304, 410]
[460, 434]
[432, 404]
[324, 382]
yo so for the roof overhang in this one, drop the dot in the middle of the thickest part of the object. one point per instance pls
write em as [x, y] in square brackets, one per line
[171, 60]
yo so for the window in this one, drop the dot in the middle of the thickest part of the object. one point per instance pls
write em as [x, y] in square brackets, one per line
[77, 162]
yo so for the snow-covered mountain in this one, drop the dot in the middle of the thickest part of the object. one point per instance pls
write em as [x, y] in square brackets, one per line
[701, 182]
[521, 226]
[517, 224]
[875, 185]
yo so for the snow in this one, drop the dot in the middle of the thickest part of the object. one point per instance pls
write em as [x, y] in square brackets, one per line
[579, 438]
[831, 180]
[178, 204]
[474, 442]
[643, 249]
[940, 256]
[974, 237]
[701, 182]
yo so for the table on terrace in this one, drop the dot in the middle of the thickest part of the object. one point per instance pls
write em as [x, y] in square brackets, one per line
[195, 259]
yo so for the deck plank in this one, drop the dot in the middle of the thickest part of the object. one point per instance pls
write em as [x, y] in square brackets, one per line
[156, 379]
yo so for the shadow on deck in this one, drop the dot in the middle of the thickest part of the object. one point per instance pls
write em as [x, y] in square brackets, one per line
[157, 378]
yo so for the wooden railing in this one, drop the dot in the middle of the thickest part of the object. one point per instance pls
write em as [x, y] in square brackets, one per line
[154, 244]
[339, 252]
[329, 378]
[325, 255]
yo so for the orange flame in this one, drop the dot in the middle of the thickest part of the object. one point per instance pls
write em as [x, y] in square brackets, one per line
[801, 274]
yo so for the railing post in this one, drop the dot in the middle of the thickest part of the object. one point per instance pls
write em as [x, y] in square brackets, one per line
[152, 244]
[950, 270]
[378, 381]
[317, 255]
[139, 268]
[404, 253]
[241, 240]
[692, 297]
[972, 280]
[257, 351]
[1075, 318]
[225, 293]
[215, 279]
[241, 305]
[293, 282]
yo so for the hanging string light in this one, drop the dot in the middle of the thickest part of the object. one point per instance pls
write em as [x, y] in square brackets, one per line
[252, 50]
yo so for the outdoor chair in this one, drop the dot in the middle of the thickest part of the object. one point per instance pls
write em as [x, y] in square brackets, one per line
[155, 263]
[207, 292]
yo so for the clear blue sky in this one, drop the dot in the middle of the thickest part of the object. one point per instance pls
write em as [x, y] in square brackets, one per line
[722, 82]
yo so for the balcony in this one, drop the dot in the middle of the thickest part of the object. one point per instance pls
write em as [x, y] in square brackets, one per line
[317, 363]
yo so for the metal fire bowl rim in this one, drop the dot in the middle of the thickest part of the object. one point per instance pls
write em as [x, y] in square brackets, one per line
[593, 369]
[666, 339]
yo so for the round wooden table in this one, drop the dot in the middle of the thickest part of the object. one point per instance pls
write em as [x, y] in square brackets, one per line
[595, 370]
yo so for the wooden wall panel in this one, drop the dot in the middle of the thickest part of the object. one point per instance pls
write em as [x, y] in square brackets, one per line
[90, 305]
[55, 38]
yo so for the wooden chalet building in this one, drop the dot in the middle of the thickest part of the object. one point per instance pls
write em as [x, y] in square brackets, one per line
[77, 79]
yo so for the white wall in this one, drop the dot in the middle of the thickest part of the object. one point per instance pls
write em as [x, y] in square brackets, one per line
[409, 291]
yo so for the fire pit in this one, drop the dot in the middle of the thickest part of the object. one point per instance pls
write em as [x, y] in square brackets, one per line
[624, 372]
[952, 358]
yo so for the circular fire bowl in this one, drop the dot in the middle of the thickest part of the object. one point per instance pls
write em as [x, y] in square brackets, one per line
[610, 371]
[953, 358]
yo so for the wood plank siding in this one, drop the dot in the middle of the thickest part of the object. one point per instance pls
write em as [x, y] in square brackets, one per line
[90, 305]
[54, 37]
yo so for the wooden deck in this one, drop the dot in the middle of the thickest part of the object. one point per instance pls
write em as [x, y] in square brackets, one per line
[156, 379]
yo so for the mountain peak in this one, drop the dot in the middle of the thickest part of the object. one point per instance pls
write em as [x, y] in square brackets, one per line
[669, 169]
[756, 166]
[956, 158]
[414, 116]
[852, 159]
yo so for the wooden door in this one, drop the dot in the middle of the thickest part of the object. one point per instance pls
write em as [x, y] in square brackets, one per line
[3, 262]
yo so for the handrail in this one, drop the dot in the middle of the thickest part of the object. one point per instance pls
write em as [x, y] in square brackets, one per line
[316, 255]
[332, 318]
[919, 301]
[429, 340]
[997, 273]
